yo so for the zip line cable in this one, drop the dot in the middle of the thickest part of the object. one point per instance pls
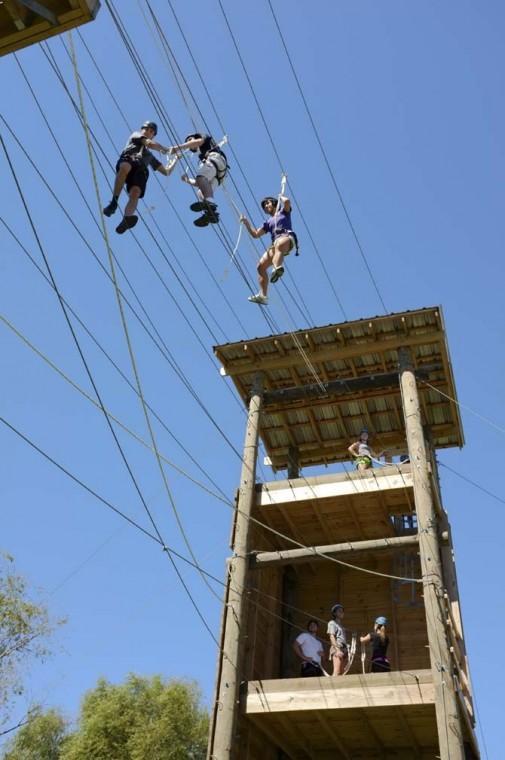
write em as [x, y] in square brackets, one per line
[326, 160]
[127, 336]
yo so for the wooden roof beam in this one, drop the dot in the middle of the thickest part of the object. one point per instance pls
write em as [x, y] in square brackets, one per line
[343, 386]
[295, 556]
[41, 10]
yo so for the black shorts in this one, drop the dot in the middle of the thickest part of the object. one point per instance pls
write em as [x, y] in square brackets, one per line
[380, 665]
[310, 670]
[137, 176]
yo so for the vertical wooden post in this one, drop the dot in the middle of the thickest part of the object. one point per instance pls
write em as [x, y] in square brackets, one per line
[293, 463]
[223, 745]
[446, 705]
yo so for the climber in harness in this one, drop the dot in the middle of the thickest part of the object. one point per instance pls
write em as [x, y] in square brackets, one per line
[132, 170]
[338, 642]
[283, 241]
[380, 641]
[362, 452]
[209, 175]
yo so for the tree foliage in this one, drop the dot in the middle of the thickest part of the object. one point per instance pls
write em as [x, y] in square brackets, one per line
[24, 632]
[142, 718]
[42, 738]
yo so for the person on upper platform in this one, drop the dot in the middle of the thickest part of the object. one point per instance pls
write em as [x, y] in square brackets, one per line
[362, 452]
[310, 650]
[132, 170]
[283, 241]
[209, 175]
[380, 641]
[339, 653]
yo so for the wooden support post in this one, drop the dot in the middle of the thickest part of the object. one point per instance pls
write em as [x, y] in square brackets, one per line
[446, 704]
[293, 463]
[289, 600]
[222, 743]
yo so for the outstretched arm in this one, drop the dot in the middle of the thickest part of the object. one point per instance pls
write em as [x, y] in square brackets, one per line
[192, 144]
[286, 203]
[255, 233]
[365, 639]
[168, 169]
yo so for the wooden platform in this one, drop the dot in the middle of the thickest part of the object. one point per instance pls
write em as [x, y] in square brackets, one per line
[322, 426]
[355, 716]
[24, 23]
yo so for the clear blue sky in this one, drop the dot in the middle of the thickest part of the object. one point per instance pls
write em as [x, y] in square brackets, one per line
[408, 100]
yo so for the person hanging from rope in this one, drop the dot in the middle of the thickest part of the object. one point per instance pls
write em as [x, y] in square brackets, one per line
[362, 452]
[380, 642]
[283, 242]
[338, 641]
[310, 650]
[132, 170]
[210, 174]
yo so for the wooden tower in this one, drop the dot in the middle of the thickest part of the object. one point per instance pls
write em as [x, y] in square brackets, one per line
[23, 22]
[308, 394]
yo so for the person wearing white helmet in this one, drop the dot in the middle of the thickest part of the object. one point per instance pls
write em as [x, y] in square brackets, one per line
[132, 170]
[362, 452]
[338, 642]
[310, 650]
[380, 642]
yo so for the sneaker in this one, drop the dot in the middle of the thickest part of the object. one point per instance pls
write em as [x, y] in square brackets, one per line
[259, 298]
[126, 223]
[207, 218]
[277, 274]
[204, 206]
[111, 208]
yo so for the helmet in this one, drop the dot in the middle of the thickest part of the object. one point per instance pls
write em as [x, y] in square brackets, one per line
[265, 201]
[195, 136]
[150, 125]
[336, 607]
[381, 620]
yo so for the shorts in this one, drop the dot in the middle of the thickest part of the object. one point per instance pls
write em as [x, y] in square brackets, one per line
[363, 460]
[339, 650]
[137, 176]
[207, 169]
[310, 670]
[380, 665]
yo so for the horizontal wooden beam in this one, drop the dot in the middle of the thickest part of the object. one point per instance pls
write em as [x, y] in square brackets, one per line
[342, 386]
[40, 9]
[297, 556]
[330, 694]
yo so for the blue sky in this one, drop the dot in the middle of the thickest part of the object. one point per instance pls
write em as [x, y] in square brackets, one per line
[407, 100]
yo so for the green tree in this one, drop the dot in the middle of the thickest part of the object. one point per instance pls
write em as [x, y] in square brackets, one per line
[24, 632]
[41, 738]
[144, 718]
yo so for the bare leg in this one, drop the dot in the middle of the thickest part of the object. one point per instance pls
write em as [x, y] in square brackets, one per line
[262, 268]
[123, 171]
[131, 206]
[339, 661]
[282, 246]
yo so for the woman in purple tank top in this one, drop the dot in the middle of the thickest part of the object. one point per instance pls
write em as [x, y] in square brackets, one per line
[283, 241]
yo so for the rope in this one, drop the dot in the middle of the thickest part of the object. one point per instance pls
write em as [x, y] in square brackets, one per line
[352, 652]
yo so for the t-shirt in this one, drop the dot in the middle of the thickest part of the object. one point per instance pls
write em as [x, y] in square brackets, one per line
[339, 633]
[379, 645]
[310, 646]
[135, 148]
[364, 450]
[278, 224]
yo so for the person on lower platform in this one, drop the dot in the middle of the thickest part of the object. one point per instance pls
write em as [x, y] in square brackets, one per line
[338, 642]
[210, 174]
[132, 170]
[310, 650]
[283, 241]
[362, 452]
[380, 642]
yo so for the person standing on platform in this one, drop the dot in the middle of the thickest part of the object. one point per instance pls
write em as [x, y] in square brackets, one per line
[380, 641]
[362, 452]
[310, 650]
[338, 642]
[283, 241]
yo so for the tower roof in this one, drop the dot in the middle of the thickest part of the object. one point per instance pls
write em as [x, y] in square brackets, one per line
[363, 356]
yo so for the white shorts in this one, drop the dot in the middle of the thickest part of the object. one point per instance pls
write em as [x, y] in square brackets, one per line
[208, 170]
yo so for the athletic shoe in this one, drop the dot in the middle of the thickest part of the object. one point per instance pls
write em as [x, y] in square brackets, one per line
[126, 223]
[111, 208]
[204, 206]
[277, 274]
[259, 298]
[207, 218]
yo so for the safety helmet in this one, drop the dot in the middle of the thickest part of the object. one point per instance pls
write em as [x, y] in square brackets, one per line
[150, 125]
[336, 607]
[265, 201]
[381, 620]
